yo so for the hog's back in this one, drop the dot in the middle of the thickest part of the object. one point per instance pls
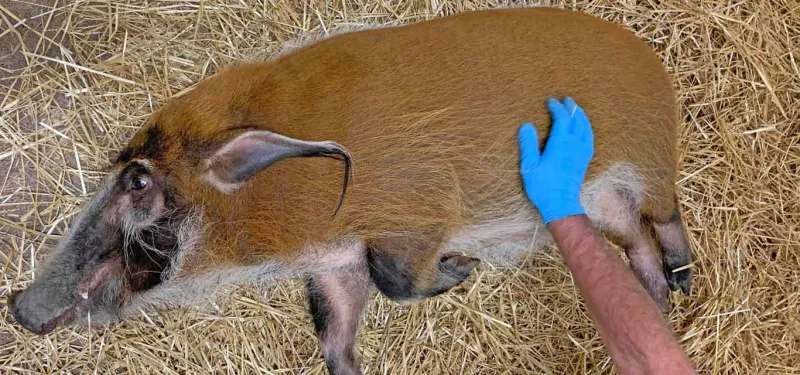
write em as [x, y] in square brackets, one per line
[430, 113]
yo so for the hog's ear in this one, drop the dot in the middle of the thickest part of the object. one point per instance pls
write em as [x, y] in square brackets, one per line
[252, 151]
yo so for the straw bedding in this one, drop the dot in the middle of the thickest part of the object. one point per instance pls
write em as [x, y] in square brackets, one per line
[78, 77]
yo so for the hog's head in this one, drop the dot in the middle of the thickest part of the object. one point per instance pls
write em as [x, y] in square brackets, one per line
[128, 236]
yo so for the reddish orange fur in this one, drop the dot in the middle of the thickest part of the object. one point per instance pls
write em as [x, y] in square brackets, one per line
[430, 119]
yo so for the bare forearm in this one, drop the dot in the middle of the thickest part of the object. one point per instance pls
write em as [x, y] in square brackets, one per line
[628, 320]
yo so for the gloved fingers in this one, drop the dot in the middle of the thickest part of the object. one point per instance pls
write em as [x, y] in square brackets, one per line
[586, 133]
[572, 108]
[581, 126]
[570, 105]
[529, 146]
[561, 118]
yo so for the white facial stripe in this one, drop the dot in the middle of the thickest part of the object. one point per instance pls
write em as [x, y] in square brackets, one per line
[147, 164]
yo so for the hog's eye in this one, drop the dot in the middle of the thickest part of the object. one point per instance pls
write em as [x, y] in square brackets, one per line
[138, 183]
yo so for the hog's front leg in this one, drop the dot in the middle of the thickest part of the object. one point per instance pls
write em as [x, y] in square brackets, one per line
[336, 302]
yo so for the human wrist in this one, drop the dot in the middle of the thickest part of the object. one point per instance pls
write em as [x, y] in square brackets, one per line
[571, 231]
[555, 210]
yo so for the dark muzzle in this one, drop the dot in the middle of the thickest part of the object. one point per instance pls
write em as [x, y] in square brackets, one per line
[40, 309]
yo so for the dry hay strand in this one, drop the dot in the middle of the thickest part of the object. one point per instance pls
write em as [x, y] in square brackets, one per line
[78, 77]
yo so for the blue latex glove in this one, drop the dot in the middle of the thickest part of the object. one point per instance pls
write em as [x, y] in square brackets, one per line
[553, 178]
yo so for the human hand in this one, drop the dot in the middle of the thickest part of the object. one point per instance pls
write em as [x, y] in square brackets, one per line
[553, 178]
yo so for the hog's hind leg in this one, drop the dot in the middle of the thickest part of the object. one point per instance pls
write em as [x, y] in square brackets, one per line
[616, 211]
[408, 268]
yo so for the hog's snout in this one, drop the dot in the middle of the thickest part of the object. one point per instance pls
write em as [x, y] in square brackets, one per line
[40, 309]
